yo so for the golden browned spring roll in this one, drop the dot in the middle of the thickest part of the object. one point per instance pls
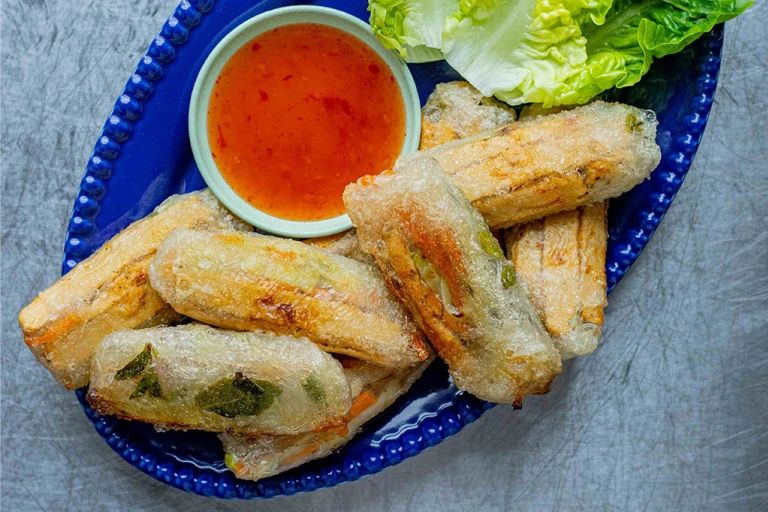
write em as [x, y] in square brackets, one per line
[245, 281]
[198, 377]
[456, 110]
[110, 290]
[438, 256]
[561, 260]
[544, 165]
[261, 457]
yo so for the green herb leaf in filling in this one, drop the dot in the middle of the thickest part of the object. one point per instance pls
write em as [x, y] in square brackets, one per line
[148, 385]
[238, 396]
[508, 277]
[314, 389]
[137, 364]
[490, 245]
[633, 124]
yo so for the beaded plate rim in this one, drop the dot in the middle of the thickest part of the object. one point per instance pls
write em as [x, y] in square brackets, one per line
[665, 182]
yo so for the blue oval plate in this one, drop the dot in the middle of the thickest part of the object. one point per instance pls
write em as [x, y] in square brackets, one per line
[143, 156]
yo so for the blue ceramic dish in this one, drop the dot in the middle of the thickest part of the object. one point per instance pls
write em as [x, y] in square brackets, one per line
[143, 156]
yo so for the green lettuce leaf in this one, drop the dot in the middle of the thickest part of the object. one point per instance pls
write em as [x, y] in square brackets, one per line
[636, 32]
[569, 51]
[422, 53]
[554, 52]
[522, 51]
[411, 27]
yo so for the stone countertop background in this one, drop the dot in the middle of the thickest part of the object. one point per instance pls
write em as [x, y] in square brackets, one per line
[671, 413]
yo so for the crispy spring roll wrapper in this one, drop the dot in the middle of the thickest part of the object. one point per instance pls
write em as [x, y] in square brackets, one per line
[544, 165]
[456, 110]
[246, 281]
[343, 244]
[261, 457]
[438, 256]
[561, 260]
[198, 377]
[110, 290]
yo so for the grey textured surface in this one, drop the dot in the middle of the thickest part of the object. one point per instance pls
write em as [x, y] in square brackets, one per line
[671, 412]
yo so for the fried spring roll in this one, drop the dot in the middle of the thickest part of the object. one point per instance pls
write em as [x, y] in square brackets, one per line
[456, 110]
[561, 260]
[246, 281]
[544, 165]
[438, 256]
[261, 457]
[198, 377]
[110, 290]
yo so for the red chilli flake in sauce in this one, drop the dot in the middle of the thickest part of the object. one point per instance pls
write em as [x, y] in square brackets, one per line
[300, 112]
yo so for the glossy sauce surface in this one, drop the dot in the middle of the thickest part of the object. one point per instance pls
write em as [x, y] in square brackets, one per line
[300, 112]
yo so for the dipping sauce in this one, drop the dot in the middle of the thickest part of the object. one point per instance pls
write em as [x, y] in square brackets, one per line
[300, 112]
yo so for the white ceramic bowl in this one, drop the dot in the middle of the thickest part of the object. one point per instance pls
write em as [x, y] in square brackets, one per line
[198, 110]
